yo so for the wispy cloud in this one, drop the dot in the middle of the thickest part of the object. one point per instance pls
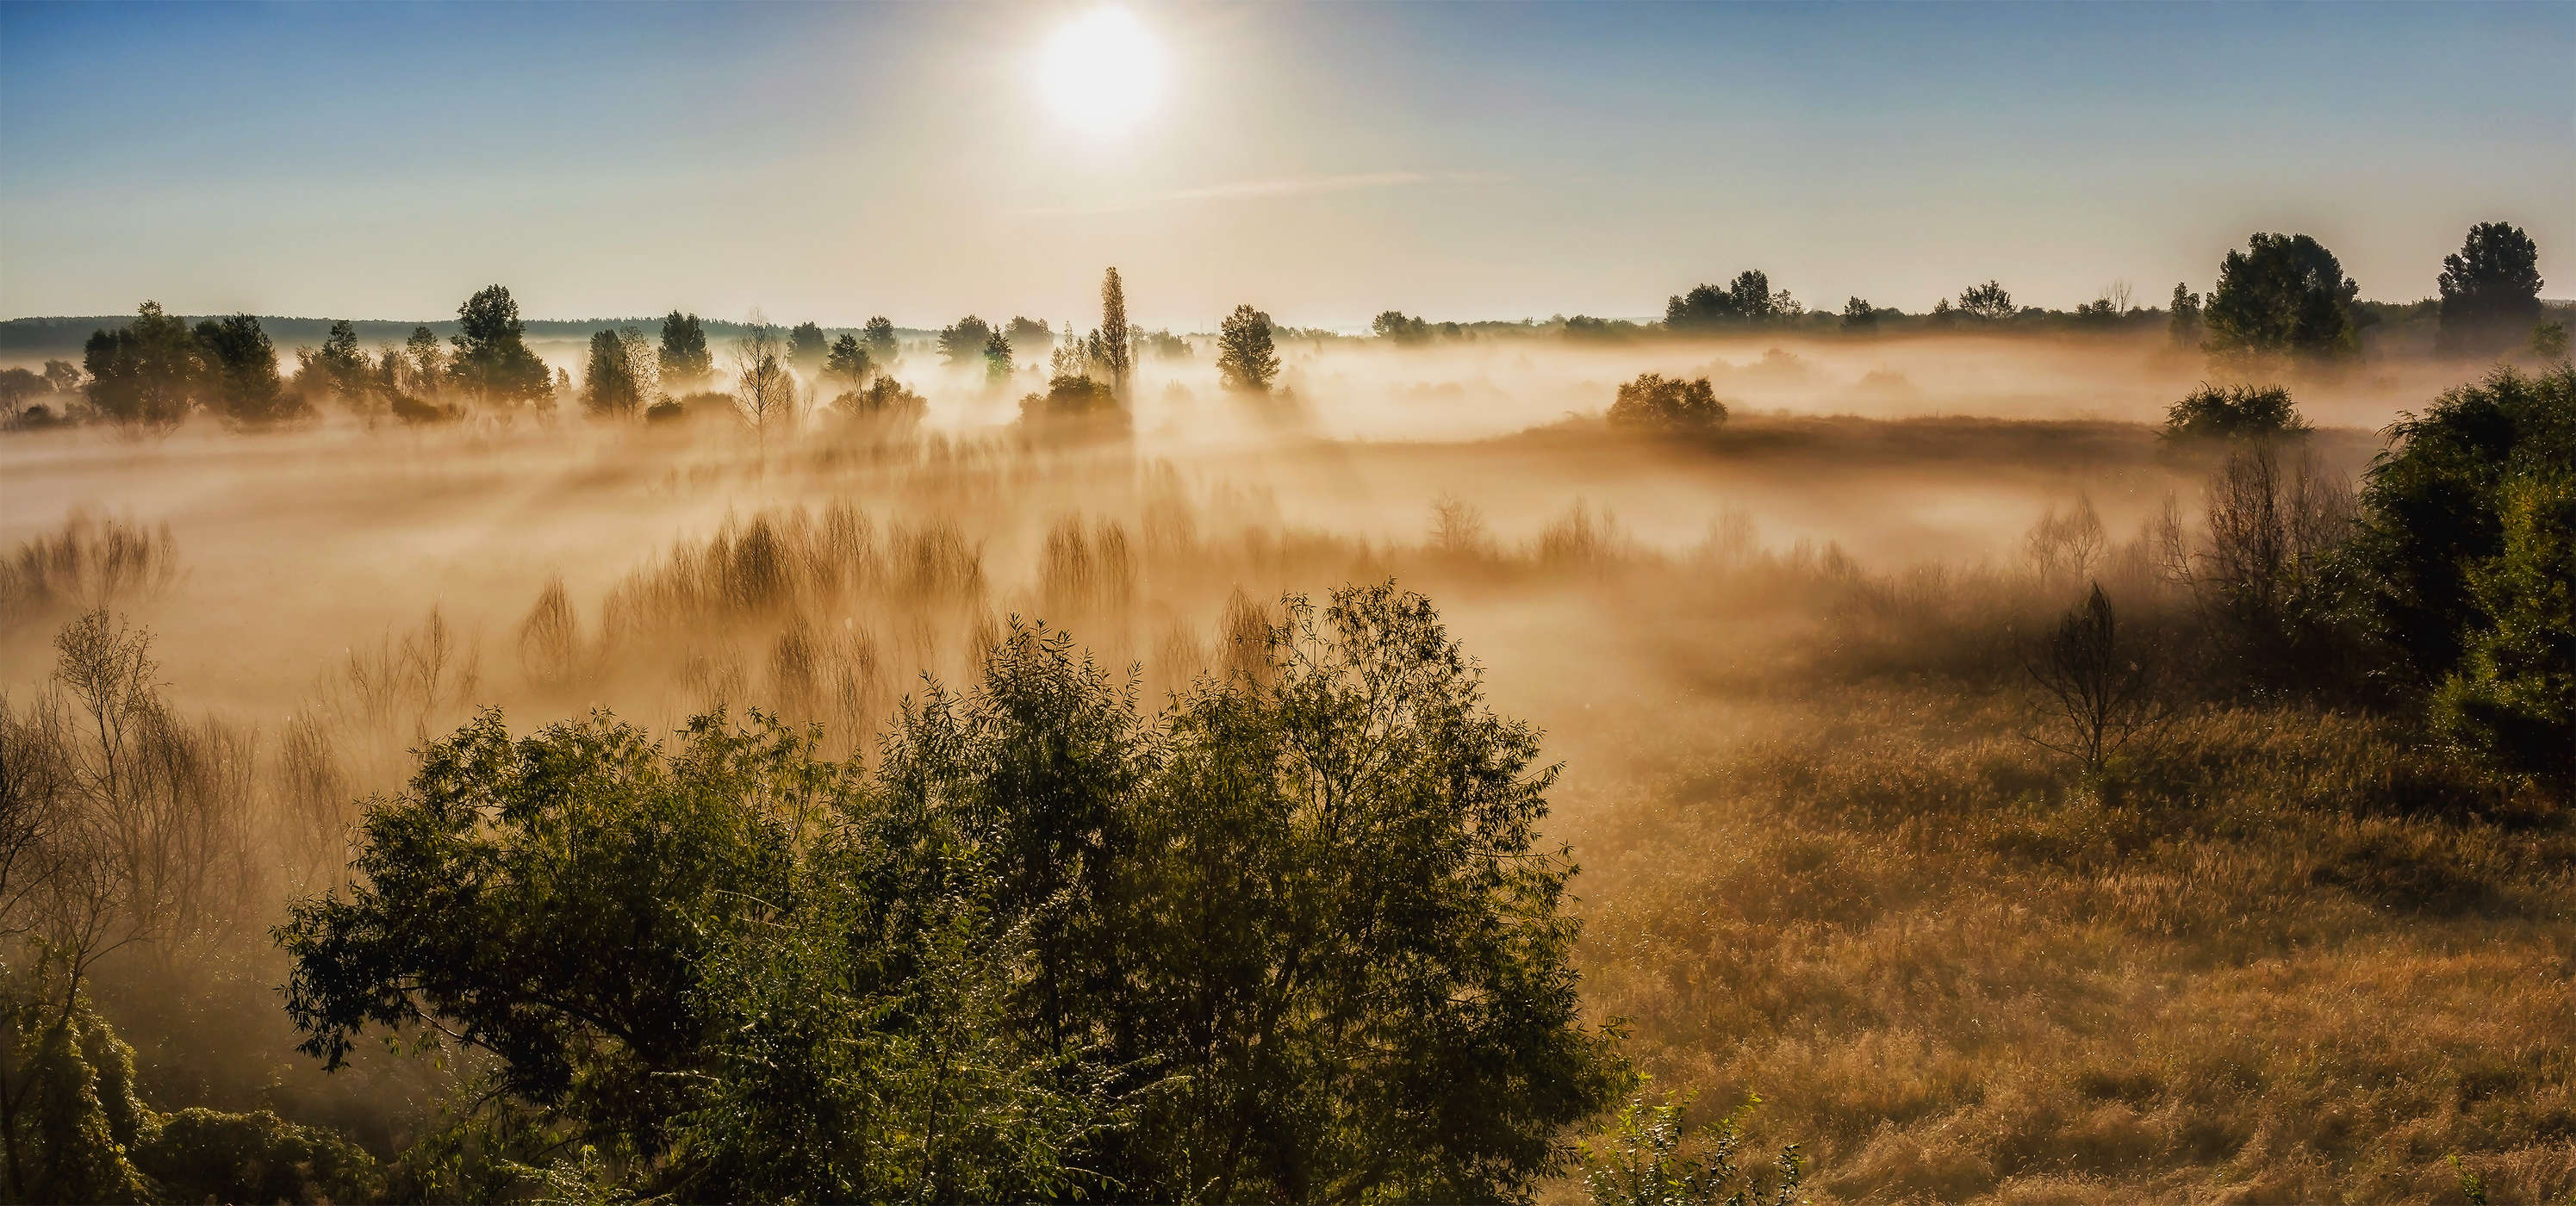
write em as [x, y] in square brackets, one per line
[1248, 190]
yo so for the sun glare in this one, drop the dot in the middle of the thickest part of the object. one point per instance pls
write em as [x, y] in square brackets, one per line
[1102, 72]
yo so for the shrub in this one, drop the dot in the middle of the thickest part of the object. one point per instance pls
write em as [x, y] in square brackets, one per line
[2233, 413]
[1656, 403]
[2513, 696]
[1646, 1159]
[201, 1155]
[883, 400]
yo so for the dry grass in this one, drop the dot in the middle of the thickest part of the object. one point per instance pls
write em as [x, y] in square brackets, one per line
[90, 563]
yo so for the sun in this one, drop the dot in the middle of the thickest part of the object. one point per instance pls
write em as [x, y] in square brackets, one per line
[1102, 72]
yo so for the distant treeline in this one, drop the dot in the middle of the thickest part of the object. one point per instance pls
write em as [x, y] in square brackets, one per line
[26, 337]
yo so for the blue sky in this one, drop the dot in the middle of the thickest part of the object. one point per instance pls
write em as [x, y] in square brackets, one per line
[1325, 162]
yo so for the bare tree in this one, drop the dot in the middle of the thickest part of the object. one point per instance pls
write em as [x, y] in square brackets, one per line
[2099, 688]
[764, 386]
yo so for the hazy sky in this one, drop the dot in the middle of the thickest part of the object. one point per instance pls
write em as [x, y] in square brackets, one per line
[1325, 162]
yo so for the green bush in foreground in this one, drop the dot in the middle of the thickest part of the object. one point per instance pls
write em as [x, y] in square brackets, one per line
[1289, 940]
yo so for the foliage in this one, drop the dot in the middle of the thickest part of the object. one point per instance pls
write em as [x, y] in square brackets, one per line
[1395, 326]
[1859, 315]
[2549, 342]
[2512, 697]
[2284, 294]
[1293, 940]
[2182, 320]
[1117, 348]
[1746, 300]
[1070, 398]
[1646, 1159]
[2490, 290]
[1988, 302]
[609, 387]
[880, 339]
[143, 374]
[2236, 412]
[202, 1155]
[807, 346]
[997, 357]
[684, 358]
[963, 342]
[883, 400]
[848, 362]
[492, 359]
[1655, 402]
[1246, 359]
[2433, 512]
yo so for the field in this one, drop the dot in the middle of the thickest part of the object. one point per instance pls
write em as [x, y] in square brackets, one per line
[2272, 952]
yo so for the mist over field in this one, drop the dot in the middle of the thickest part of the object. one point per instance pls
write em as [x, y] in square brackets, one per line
[2088, 716]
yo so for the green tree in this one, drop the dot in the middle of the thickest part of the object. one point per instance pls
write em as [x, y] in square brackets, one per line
[144, 373]
[1117, 338]
[1656, 402]
[492, 360]
[880, 339]
[2457, 516]
[242, 381]
[961, 343]
[2182, 319]
[2490, 291]
[1246, 359]
[1294, 940]
[609, 388]
[686, 364]
[997, 357]
[807, 346]
[847, 362]
[1031, 337]
[2512, 697]
[1988, 302]
[1396, 326]
[2284, 294]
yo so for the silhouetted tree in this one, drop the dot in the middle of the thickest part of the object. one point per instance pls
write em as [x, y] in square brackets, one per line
[145, 372]
[1395, 325]
[881, 343]
[609, 388]
[2182, 320]
[426, 363]
[686, 364]
[2098, 684]
[1748, 299]
[847, 364]
[2283, 294]
[962, 343]
[763, 387]
[806, 347]
[1031, 338]
[1246, 359]
[1117, 340]
[1658, 403]
[1858, 315]
[1988, 302]
[62, 376]
[997, 357]
[242, 382]
[2490, 291]
[883, 400]
[492, 359]
[2233, 413]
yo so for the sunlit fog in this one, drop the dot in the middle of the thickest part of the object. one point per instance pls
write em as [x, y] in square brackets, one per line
[1164, 603]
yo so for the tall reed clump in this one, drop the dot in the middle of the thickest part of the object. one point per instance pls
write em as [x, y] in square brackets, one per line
[90, 562]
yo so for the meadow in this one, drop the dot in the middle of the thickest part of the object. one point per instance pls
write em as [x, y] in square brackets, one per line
[2282, 947]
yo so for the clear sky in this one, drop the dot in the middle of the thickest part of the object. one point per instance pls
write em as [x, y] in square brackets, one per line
[1322, 161]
